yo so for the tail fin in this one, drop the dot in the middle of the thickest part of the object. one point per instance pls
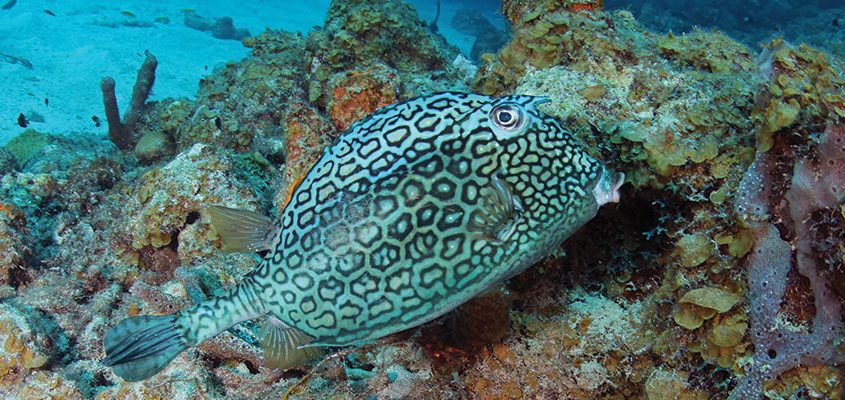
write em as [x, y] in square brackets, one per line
[139, 347]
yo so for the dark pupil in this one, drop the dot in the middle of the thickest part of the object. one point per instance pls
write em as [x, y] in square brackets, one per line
[505, 117]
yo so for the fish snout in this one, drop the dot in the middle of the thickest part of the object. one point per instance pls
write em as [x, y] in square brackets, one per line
[607, 189]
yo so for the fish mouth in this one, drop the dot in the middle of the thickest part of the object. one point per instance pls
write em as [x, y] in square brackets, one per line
[607, 189]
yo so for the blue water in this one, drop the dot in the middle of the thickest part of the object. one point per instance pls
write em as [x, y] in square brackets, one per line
[68, 46]
[818, 22]
[67, 53]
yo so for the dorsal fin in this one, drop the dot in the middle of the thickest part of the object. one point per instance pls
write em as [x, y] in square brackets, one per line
[241, 230]
[283, 345]
[501, 210]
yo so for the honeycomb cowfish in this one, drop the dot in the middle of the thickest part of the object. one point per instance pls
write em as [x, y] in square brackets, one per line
[411, 212]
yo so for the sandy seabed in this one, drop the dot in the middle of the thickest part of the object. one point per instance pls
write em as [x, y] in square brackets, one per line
[84, 41]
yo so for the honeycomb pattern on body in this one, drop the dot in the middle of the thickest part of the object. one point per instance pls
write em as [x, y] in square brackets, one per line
[376, 240]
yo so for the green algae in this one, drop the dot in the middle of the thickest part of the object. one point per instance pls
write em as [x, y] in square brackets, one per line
[27, 145]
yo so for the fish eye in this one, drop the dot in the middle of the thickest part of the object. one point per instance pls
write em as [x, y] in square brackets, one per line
[507, 117]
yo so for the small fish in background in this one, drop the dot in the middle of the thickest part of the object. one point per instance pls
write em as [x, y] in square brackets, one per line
[9, 5]
[96, 120]
[15, 60]
[413, 211]
[22, 121]
[48, 12]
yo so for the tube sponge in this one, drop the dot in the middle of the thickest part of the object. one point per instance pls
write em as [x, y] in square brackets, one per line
[121, 133]
[816, 183]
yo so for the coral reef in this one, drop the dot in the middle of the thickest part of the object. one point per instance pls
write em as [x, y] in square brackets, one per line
[356, 94]
[363, 34]
[165, 198]
[8, 161]
[244, 102]
[803, 88]
[27, 347]
[14, 252]
[682, 115]
[719, 274]
[26, 146]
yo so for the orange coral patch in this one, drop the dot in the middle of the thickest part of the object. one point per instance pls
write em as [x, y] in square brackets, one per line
[585, 6]
[357, 94]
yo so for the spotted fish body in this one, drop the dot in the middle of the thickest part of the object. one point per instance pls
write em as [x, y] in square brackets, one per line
[410, 213]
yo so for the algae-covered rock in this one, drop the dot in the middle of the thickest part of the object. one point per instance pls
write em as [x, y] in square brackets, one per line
[306, 133]
[27, 145]
[671, 385]
[804, 86]
[386, 36]
[45, 384]
[8, 162]
[15, 250]
[244, 102]
[708, 50]
[701, 304]
[547, 33]
[358, 93]
[363, 31]
[153, 146]
[576, 349]
[29, 191]
[26, 346]
[165, 198]
[695, 249]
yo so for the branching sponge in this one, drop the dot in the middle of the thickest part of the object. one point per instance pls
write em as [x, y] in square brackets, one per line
[121, 132]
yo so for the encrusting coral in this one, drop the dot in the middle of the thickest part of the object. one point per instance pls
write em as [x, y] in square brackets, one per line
[15, 254]
[803, 88]
[165, 198]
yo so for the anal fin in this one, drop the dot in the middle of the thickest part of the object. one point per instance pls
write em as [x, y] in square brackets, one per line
[241, 230]
[283, 345]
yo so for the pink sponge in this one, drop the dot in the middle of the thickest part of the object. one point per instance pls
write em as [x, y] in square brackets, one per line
[817, 183]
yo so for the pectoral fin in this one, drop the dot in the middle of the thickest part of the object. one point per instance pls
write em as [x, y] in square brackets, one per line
[283, 345]
[241, 230]
[500, 212]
